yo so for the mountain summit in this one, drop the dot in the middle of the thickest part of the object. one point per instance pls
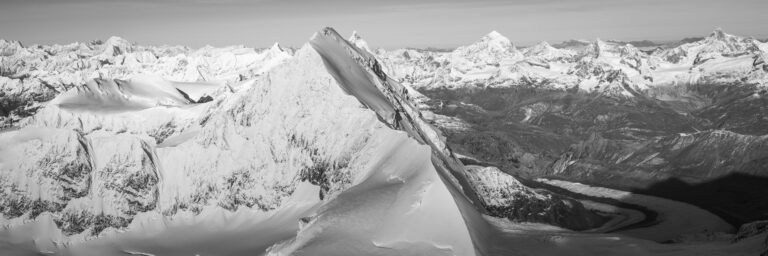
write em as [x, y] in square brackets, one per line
[358, 41]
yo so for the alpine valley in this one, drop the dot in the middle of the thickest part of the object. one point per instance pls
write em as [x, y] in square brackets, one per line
[336, 148]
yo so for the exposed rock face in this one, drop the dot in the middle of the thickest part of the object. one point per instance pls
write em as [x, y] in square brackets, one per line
[43, 171]
[19, 99]
[88, 184]
[506, 197]
[750, 230]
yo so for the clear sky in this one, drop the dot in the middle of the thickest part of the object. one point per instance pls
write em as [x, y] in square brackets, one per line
[383, 23]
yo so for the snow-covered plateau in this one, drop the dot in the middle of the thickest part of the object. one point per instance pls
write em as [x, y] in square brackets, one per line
[113, 148]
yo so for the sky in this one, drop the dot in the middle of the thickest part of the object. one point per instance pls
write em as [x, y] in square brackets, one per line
[382, 23]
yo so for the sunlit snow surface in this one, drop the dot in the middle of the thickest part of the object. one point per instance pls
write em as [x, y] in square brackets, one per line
[239, 175]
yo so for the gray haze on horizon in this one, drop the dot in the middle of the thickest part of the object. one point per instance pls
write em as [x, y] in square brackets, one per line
[388, 24]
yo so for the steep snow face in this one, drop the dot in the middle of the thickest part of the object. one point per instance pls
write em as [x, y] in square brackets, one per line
[401, 207]
[42, 170]
[493, 42]
[115, 46]
[86, 184]
[352, 77]
[124, 183]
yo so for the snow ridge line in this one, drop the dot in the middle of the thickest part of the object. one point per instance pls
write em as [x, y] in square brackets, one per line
[393, 108]
[399, 113]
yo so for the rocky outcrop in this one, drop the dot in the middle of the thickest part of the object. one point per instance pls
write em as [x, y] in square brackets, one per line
[749, 230]
[505, 197]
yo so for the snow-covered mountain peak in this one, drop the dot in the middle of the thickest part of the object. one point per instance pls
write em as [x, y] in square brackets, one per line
[544, 44]
[354, 36]
[116, 45]
[718, 43]
[6, 43]
[492, 47]
[8, 48]
[605, 48]
[573, 44]
[495, 35]
[718, 33]
[601, 47]
[275, 51]
[496, 40]
[116, 40]
[276, 47]
[358, 41]
[544, 52]
[541, 47]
